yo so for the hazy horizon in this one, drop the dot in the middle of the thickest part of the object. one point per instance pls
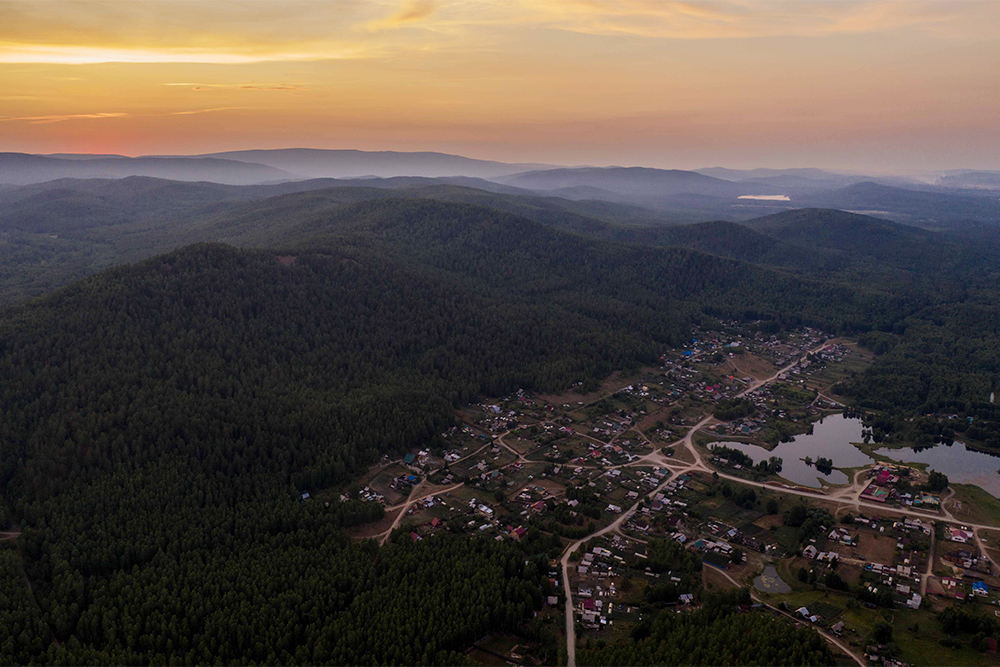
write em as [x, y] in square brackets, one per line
[870, 86]
[883, 172]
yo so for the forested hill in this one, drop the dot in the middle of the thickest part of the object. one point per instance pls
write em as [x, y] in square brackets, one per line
[515, 256]
[841, 230]
[160, 420]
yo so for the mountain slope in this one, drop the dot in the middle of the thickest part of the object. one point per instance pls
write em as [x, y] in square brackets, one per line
[839, 230]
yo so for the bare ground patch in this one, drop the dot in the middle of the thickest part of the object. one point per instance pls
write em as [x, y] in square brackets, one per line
[375, 529]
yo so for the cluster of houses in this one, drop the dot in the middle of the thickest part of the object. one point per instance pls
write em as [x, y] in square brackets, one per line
[496, 419]
[417, 462]
[882, 487]
[595, 591]
[963, 558]
[606, 455]
[661, 502]
[610, 426]
[813, 553]
[366, 494]
[873, 654]
[400, 482]
[714, 552]
[961, 534]
[902, 579]
[783, 353]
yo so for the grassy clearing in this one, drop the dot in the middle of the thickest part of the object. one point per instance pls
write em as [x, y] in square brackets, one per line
[978, 506]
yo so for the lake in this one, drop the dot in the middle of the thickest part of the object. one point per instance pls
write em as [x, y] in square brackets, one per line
[766, 197]
[962, 465]
[832, 437]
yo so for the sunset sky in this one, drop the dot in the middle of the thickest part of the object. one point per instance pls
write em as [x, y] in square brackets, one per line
[880, 85]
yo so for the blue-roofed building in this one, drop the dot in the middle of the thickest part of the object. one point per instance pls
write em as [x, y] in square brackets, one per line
[979, 588]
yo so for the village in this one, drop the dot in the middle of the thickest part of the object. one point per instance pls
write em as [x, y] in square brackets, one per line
[596, 481]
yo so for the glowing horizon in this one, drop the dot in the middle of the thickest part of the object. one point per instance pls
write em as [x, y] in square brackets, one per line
[877, 85]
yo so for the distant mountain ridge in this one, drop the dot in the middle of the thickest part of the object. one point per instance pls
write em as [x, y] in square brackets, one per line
[252, 167]
[25, 169]
[349, 163]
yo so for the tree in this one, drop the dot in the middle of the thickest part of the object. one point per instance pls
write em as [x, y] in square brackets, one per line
[937, 481]
[882, 632]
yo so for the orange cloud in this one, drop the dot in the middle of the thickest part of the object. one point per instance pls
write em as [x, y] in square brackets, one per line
[60, 118]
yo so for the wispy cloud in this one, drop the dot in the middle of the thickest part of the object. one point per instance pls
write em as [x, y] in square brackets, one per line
[236, 86]
[699, 19]
[414, 10]
[198, 111]
[64, 117]
[184, 31]
[93, 55]
[59, 118]
[410, 12]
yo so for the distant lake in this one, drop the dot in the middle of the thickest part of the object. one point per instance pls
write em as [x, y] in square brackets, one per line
[766, 197]
[832, 437]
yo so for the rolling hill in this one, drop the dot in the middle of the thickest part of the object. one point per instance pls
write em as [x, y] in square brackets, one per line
[638, 182]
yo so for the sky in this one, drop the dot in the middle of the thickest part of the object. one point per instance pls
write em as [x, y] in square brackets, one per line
[878, 86]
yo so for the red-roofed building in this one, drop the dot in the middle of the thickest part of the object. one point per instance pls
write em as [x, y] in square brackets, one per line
[414, 537]
[435, 522]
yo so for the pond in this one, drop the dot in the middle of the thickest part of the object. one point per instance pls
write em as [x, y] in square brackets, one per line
[831, 438]
[964, 466]
[771, 582]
